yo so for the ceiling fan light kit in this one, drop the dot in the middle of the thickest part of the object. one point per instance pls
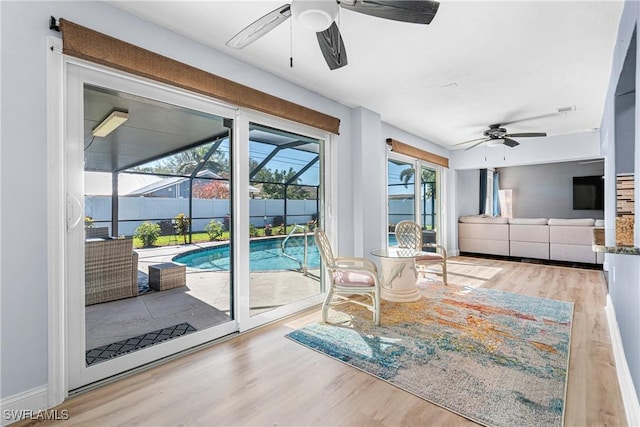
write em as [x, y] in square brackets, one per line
[316, 15]
[495, 142]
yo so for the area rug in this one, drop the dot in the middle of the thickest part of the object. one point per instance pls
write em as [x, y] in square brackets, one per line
[109, 351]
[496, 358]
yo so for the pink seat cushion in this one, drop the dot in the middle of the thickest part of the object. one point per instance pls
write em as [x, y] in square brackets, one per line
[429, 257]
[352, 278]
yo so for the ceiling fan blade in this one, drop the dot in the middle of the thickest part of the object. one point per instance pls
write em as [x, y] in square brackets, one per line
[510, 142]
[526, 134]
[413, 11]
[476, 144]
[471, 140]
[259, 28]
[332, 47]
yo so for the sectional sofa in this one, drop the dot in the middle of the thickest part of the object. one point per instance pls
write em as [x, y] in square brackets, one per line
[539, 238]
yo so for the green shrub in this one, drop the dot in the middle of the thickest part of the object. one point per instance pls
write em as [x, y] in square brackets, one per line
[253, 231]
[148, 232]
[182, 226]
[214, 229]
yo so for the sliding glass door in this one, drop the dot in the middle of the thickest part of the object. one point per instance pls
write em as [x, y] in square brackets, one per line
[412, 196]
[285, 197]
[140, 162]
[187, 220]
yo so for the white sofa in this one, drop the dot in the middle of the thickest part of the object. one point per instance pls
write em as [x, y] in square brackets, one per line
[572, 239]
[483, 234]
[529, 238]
[539, 238]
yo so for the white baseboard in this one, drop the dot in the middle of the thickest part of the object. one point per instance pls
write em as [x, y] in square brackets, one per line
[629, 396]
[22, 405]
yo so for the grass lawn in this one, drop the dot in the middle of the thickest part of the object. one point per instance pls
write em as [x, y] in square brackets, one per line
[204, 237]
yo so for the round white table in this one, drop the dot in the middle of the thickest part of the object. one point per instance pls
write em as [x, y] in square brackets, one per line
[399, 274]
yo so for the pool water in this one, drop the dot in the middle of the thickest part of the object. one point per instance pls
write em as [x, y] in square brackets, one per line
[264, 255]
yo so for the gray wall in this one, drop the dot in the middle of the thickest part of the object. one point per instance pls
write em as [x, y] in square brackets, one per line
[625, 112]
[546, 191]
[624, 270]
[467, 191]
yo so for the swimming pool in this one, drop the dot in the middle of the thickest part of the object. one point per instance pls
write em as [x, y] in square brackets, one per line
[264, 255]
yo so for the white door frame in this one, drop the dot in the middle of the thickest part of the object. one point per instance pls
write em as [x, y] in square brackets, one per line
[242, 232]
[77, 74]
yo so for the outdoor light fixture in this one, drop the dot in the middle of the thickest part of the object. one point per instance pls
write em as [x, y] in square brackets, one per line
[315, 15]
[110, 123]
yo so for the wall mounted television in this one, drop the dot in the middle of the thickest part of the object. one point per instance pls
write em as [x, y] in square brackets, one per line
[588, 192]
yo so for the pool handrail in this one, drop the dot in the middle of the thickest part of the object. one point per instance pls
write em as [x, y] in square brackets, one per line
[303, 265]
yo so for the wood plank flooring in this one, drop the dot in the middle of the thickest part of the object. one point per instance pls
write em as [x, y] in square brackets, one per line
[262, 378]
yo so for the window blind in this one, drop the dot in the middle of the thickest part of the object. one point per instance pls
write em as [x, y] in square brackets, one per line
[416, 153]
[90, 45]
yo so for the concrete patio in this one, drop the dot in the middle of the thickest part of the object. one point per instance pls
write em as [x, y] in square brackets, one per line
[204, 301]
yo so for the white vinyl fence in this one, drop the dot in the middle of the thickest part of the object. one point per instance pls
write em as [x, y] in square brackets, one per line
[133, 211]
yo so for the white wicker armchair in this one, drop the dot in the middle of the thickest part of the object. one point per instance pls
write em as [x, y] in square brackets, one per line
[409, 235]
[349, 277]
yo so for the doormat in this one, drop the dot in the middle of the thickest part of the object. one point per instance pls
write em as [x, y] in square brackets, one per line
[116, 349]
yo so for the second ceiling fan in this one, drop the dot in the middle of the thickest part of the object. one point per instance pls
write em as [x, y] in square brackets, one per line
[320, 15]
[499, 135]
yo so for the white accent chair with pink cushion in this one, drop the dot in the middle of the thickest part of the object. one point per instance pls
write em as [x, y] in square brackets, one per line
[348, 277]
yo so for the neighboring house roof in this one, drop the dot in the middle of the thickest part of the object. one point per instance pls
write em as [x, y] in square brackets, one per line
[155, 186]
[171, 181]
[99, 183]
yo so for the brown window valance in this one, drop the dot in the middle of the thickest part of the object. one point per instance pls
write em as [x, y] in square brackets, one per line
[416, 153]
[93, 46]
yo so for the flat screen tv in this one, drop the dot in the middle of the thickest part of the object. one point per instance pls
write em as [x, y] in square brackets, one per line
[588, 193]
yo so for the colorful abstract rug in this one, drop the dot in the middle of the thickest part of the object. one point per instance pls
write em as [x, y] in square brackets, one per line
[496, 358]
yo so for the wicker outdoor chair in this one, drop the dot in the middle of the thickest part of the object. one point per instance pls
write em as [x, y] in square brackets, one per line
[349, 277]
[111, 270]
[409, 235]
[96, 233]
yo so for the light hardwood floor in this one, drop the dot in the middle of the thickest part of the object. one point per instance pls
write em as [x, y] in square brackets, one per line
[261, 378]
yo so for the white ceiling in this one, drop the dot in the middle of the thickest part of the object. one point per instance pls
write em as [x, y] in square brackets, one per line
[477, 63]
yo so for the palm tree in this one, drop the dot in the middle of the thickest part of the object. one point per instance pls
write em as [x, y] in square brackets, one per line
[427, 175]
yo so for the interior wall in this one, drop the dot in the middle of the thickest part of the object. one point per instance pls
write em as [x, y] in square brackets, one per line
[625, 112]
[467, 192]
[368, 182]
[625, 120]
[624, 270]
[531, 151]
[546, 191]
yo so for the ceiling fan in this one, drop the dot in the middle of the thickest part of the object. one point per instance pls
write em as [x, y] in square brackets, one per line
[497, 135]
[320, 15]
